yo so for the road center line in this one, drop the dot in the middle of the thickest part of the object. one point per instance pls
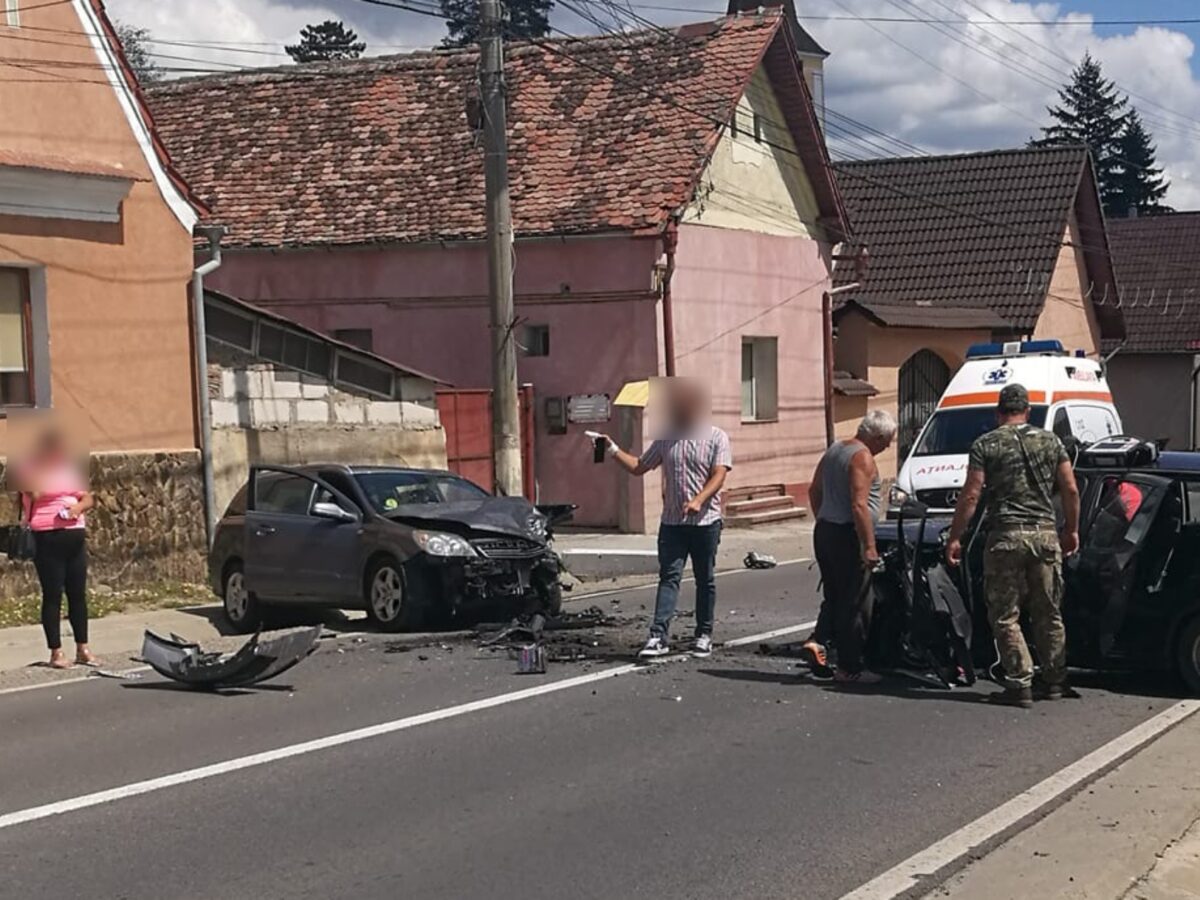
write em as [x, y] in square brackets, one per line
[913, 871]
[137, 788]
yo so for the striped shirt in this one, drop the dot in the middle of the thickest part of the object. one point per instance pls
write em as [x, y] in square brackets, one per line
[687, 464]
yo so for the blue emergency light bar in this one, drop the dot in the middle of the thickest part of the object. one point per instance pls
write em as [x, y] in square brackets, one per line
[1014, 348]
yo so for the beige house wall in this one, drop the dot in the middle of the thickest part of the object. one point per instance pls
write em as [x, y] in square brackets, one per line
[876, 353]
[750, 184]
[1068, 314]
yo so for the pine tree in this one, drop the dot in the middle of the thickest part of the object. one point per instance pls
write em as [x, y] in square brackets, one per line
[1091, 112]
[133, 42]
[329, 40]
[1140, 184]
[523, 19]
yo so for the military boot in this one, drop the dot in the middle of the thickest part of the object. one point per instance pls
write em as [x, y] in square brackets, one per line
[1013, 696]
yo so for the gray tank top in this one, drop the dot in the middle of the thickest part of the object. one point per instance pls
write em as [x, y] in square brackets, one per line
[835, 484]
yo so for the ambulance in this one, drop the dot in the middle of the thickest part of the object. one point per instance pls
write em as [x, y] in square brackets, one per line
[1068, 394]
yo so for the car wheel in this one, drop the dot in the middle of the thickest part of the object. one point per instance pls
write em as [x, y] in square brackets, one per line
[242, 609]
[1187, 655]
[388, 604]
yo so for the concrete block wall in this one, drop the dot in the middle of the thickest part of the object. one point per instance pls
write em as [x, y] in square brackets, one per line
[258, 395]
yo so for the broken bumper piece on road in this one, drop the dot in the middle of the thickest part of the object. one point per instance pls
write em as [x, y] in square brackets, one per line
[257, 661]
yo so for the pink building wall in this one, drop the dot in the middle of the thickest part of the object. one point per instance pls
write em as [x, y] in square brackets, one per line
[427, 308]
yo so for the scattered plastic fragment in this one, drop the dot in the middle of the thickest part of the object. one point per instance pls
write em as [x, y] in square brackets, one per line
[257, 661]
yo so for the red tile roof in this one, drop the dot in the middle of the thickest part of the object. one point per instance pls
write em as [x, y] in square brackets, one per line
[606, 133]
[1158, 268]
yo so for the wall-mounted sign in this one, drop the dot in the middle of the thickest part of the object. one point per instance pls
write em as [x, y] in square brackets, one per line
[586, 409]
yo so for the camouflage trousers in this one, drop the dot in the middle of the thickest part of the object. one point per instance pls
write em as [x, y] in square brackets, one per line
[1022, 571]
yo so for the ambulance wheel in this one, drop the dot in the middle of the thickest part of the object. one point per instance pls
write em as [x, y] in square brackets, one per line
[1187, 654]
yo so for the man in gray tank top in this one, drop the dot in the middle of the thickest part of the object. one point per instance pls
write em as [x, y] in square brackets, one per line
[845, 496]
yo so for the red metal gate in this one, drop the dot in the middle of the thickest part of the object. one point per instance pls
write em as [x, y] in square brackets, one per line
[467, 418]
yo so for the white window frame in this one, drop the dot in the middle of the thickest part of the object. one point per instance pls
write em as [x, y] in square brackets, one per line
[761, 404]
[12, 9]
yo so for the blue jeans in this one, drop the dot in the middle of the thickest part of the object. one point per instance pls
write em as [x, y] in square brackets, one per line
[675, 544]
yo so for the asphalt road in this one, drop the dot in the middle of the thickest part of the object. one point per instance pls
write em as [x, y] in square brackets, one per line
[729, 777]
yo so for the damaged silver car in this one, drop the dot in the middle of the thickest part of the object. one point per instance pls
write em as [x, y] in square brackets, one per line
[413, 547]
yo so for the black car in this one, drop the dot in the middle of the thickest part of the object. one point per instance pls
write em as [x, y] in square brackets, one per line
[1132, 592]
[412, 547]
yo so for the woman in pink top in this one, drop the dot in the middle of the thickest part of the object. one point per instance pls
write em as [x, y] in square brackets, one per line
[54, 499]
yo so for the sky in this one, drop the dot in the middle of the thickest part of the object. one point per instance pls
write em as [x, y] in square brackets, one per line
[965, 83]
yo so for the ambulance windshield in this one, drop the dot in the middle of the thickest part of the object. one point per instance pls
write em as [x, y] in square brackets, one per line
[953, 431]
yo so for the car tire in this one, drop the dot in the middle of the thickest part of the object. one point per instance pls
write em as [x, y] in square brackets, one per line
[385, 590]
[243, 612]
[1187, 655]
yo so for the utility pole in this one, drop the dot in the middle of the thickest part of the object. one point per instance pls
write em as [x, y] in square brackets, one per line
[506, 414]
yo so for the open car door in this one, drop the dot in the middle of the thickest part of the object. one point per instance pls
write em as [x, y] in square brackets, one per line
[1123, 518]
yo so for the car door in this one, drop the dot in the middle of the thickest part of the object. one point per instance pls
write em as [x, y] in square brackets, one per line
[1118, 559]
[302, 538]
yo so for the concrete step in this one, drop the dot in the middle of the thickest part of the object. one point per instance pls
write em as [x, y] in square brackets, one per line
[764, 518]
[762, 504]
[754, 492]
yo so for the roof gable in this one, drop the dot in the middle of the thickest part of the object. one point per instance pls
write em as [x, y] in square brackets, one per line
[979, 230]
[606, 133]
[1156, 265]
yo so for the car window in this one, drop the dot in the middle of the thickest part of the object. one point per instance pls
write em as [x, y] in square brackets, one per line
[339, 481]
[1062, 424]
[1193, 501]
[1091, 423]
[283, 494]
[237, 506]
[387, 490]
[953, 431]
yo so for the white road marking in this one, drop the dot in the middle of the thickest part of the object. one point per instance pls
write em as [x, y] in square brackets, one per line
[952, 848]
[651, 585]
[767, 635]
[137, 788]
[63, 682]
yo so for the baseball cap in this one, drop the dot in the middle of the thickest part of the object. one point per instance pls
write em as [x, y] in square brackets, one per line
[1013, 399]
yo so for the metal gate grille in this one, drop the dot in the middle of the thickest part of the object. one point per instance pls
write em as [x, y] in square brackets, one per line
[923, 379]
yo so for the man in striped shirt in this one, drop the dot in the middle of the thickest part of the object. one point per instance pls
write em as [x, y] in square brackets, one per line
[694, 459]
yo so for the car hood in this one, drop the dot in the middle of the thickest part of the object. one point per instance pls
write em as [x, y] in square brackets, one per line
[500, 515]
[934, 472]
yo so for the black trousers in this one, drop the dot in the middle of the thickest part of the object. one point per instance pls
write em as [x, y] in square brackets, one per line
[60, 558]
[846, 608]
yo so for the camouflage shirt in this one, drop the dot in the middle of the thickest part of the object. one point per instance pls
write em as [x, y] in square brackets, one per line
[1011, 495]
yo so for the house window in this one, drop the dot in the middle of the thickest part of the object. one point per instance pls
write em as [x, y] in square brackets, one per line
[362, 338]
[364, 375]
[15, 382]
[12, 12]
[760, 379]
[536, 340]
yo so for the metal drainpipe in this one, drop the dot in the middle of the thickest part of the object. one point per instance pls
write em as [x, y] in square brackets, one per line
[670, 241]
[827, 328]
[213, 233]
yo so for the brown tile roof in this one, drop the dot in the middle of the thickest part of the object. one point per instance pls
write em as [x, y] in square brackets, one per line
[1158, 268]
[606, 133]
[977, 230]
[845, 384]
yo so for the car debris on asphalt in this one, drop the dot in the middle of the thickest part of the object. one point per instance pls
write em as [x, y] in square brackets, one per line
[256, 661]
[755, 560]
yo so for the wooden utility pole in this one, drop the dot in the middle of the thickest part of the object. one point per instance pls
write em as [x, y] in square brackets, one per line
[506, 417]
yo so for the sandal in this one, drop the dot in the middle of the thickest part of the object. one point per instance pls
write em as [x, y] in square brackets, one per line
[58, 660]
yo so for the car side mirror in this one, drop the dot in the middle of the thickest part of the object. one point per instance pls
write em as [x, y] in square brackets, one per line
[333, 511]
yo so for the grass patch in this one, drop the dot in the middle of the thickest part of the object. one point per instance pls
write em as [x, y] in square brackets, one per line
[27, 609]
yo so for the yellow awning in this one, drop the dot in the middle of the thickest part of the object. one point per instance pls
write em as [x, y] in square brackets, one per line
[636, 393]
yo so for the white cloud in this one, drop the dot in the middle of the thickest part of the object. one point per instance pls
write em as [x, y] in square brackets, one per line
[991, 91]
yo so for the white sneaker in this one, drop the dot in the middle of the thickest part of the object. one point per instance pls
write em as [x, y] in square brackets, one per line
[702, 646]
[656, 646]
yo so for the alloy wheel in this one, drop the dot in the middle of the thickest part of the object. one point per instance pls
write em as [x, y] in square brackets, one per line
[387, 594]
[237, 598]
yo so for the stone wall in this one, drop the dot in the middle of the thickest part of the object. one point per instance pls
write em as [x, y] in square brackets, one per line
[147, 527]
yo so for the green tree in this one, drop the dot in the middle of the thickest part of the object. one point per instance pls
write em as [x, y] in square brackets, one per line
[1091, 112]
[523, 19]
[1140, 184]
[134, 42]
[329, 40]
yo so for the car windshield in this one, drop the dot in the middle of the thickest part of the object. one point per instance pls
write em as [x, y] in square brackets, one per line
[953, 431]
[389, 490]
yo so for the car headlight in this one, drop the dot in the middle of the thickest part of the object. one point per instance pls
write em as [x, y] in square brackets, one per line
[897, 496]
[536, 526]
[439, 543]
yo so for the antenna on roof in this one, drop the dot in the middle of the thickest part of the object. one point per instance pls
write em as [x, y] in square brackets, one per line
[1167, 305]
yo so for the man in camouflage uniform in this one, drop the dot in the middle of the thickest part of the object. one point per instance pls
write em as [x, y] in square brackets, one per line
[1020, 467]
